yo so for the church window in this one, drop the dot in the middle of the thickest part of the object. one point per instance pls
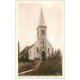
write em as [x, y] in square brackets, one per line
[52, 49]
[43, 42]
[48, 50]
[43, 32]
[37, 50]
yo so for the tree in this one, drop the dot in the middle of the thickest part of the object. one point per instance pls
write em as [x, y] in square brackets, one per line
[57, 62]
[18, 47]
[19, 51]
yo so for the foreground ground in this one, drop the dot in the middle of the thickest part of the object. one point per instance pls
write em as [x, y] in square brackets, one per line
[44, 68]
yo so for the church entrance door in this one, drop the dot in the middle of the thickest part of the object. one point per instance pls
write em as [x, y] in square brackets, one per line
[43, 55]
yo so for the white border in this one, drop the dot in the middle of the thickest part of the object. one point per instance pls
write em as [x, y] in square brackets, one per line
[30, 77]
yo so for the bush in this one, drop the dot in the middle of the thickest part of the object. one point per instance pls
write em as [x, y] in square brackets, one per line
[57, 62]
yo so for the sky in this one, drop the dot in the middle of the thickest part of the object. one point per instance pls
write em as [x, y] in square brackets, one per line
[28, 13]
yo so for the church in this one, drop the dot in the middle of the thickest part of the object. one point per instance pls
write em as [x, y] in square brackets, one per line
[42, 48]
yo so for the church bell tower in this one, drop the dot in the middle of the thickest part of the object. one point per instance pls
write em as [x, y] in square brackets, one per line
[42, 29]
[42, 35]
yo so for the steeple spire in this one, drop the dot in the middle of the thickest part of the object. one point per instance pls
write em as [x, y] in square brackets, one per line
[41, 20]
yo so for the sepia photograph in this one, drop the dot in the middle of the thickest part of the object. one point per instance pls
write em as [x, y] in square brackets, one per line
[40, 38]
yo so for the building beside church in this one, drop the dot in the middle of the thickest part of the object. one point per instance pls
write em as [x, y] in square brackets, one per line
[42, 48]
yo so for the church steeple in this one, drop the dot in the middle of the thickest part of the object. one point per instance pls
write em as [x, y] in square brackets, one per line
[42, 28]
[41, 20]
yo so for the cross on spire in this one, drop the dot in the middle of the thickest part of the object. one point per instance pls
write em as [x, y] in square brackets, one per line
[41, 20]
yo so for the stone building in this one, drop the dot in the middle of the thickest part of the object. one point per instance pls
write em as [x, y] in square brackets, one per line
[42, 48]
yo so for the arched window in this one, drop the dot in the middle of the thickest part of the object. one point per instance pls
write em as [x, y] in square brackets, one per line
[37, 49]
[43, 42]
[48, 50]
[52, 49]
[43, 32]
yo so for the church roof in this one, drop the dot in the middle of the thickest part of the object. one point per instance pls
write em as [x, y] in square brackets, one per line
[41, 19]
[25, 50]
[31, 46]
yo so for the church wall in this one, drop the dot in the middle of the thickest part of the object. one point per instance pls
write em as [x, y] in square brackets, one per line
[31, 53]
[34, 54]
[35, 49]
[49, 48]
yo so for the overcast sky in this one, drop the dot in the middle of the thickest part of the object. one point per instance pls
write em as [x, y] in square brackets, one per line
[28, 14]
